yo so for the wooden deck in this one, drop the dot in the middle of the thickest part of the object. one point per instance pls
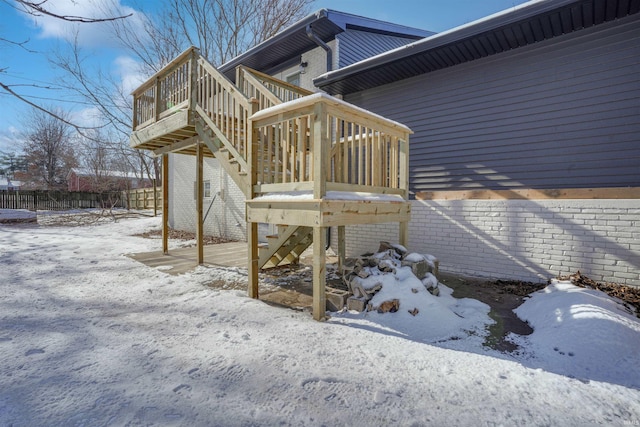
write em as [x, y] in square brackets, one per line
[272, 138]
[183, 260]
[297, 296]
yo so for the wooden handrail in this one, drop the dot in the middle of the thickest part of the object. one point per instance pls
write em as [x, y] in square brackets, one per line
[276, 82]
[334, 105]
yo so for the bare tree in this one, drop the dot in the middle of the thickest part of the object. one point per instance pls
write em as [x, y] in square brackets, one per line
[40, 8]
[222, 29]
[49, 148]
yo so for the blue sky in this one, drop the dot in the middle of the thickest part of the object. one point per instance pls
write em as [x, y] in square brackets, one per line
[46, 36]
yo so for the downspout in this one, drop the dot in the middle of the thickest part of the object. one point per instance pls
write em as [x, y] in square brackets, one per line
[313, 36]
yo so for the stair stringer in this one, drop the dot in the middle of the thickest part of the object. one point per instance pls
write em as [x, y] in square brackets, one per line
[287, 247]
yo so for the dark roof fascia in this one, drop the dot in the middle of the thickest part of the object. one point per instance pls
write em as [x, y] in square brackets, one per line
[347, 20]
[332, 22]
[301, 25]
[343, 80]
[390, 33]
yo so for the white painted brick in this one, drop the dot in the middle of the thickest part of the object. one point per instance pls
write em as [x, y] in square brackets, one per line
[534, 239]
[621, 275]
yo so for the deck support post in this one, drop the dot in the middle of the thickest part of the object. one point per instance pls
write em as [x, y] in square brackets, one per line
[404, 233]
[165, 203]
[199, 199]
[342, 248]
[252, 241]
[252, 227]
[319, 273]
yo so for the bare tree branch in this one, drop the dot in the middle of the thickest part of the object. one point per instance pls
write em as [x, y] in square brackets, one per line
[42, 109]
[19, 44]
[38, 9]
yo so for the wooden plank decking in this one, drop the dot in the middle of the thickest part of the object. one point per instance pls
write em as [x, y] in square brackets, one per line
[182, 260]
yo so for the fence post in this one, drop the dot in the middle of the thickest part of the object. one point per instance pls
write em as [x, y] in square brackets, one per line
[155, 205]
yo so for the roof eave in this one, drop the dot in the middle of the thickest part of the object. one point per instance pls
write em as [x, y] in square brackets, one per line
[287, 32]
[330, 81]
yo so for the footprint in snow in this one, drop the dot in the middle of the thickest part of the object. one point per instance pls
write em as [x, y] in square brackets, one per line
[34, 351]
[182, 387]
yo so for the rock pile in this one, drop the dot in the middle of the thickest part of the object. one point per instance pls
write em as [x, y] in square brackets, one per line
[366, 275]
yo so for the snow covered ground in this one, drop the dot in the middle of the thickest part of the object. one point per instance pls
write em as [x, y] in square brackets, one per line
[90, 337]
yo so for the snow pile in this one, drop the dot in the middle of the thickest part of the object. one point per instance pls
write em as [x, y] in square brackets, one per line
[582, 333]
[397, 291]
[17, 215]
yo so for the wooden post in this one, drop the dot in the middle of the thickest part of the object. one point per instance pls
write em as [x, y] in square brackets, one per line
[404, 166]
[252, 242]
[155, 204]
[193, 81]
[321, 151]
[157, 106]
[319, 273]
[341, 248]
[404, 185]
[165, 203]
[404, 233]
[199, 197]
[252, 227]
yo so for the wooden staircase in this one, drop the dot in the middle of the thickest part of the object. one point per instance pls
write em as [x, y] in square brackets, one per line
[286, 247]
[335, 163]
[225, 135]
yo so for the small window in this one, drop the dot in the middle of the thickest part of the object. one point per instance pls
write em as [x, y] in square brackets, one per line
[206, 189]
[294, 79]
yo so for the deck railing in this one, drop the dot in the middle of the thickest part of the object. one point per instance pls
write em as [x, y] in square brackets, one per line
[321, 143]
[311, 142]
[165, 92]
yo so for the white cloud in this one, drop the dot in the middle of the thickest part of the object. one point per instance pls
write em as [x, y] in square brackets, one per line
[87, 117]
[130, 75]
[10, 140]
[91, 35]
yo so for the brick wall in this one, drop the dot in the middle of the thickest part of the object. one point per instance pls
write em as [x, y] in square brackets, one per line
[316, 60]
[226, 213]
[520, 239]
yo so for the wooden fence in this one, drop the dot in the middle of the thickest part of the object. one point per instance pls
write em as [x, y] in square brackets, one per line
[144, 198]
[59, 200]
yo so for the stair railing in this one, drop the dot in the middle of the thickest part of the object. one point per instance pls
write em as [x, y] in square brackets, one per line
[268, 90]
[224, 107]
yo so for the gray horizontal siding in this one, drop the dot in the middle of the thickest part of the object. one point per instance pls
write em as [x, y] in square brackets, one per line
[564, 113]
[354, 45]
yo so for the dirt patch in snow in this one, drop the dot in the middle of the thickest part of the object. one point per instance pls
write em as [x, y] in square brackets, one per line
[503, 296]
[80, 218]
